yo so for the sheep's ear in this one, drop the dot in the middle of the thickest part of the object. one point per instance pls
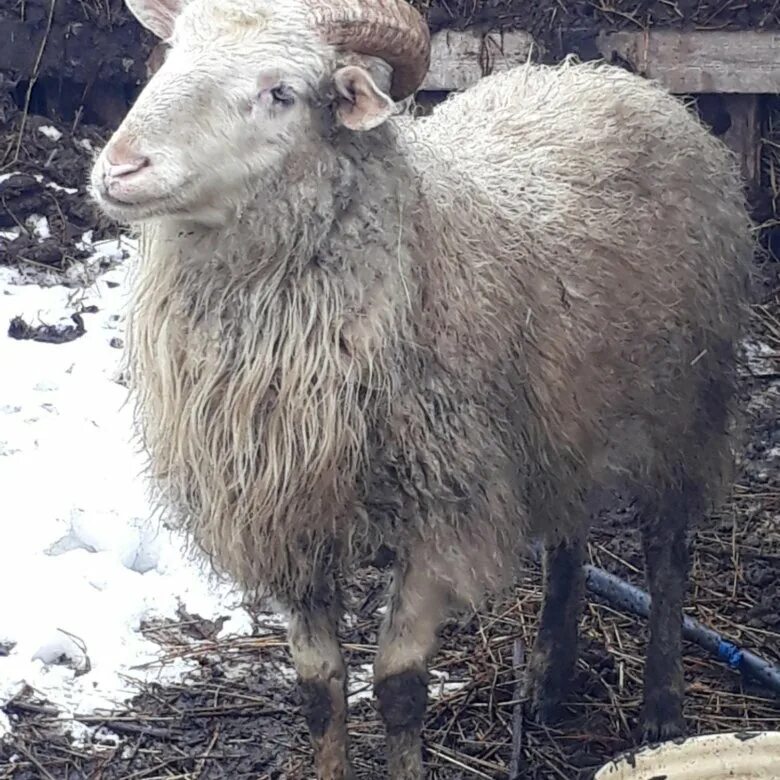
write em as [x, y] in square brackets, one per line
[156, 15]
[361, 104]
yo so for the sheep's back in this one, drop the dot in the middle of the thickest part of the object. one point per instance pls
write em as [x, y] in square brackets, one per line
[612, 243]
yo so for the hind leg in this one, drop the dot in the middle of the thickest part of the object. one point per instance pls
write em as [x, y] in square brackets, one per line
[322, 680]
[665, 544]
[553, 659]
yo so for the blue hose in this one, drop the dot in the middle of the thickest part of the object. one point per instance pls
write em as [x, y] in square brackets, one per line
[623, 594]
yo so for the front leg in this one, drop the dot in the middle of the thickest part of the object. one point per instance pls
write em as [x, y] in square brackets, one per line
[322, 679]
[409, 637]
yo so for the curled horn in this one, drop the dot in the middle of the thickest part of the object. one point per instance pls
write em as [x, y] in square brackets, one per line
[389, 29]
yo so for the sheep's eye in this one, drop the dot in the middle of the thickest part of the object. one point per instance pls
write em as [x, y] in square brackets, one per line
[282, 94]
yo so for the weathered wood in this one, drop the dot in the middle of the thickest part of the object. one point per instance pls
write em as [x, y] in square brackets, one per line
[744, 136]
[701, 61]
[459, 59]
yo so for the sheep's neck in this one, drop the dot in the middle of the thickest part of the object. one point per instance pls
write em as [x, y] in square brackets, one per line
[256, 355]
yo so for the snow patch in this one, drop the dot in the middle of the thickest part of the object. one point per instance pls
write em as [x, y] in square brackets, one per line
[361, 684]
[50, 132]
[759, 355]
[54, 186]
[84, 562]
[38, 226]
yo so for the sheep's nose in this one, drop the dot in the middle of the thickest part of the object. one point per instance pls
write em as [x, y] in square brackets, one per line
[123, 160]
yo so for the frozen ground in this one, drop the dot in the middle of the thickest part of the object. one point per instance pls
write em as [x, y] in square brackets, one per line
[83, 562]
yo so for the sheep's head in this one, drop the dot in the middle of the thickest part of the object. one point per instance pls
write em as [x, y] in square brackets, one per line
[246, 84]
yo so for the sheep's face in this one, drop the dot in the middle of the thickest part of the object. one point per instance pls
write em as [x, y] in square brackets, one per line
[237, 94]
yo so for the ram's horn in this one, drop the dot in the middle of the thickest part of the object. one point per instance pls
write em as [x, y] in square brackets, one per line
[389, 29]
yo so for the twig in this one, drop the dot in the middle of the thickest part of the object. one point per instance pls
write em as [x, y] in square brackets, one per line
[518, 662]
[38, 765]
[121, 727]
[33, 80]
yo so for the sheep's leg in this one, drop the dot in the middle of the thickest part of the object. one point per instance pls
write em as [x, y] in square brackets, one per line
[418, 606]
[664, 539]
[553, 659]
[322, 679]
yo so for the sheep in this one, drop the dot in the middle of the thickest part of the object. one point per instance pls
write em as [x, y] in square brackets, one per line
[355, 332]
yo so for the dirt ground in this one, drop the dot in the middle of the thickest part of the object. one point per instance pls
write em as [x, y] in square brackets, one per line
[564, 26]
[237, 716]
[543, 16]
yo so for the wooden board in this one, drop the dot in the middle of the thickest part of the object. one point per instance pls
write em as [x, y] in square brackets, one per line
[746, 62]
[744, 136]
[459, 59]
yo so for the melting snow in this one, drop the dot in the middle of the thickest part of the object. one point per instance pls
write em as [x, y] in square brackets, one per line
[52, 185]
[50, 132]
[38, 226]
[83, 562]
[360, 682]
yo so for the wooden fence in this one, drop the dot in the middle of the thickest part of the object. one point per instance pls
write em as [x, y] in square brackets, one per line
[738, 66]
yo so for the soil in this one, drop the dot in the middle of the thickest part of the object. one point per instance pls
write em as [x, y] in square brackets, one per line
[564, 26]
[237, 715]
[46, 174]
[584, 14]
[80, 56]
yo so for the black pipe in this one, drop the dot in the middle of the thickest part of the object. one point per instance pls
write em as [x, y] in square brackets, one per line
[629, 597]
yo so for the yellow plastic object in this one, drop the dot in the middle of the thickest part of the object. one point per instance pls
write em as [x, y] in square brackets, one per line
[753, 755]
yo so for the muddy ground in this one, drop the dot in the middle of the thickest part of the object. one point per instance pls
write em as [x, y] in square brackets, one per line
[237, 716]
[543, 15]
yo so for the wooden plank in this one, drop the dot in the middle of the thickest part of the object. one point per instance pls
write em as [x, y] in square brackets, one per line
[744, 136]
[460, 59]
[745, 62]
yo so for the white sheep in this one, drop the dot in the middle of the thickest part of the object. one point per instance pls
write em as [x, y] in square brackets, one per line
[356, 331]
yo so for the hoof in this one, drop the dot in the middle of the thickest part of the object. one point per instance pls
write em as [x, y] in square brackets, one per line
[662, 720]
[544, 694]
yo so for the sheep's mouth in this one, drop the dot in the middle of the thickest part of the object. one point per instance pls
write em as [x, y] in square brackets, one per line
[118, 203]
[137, 209]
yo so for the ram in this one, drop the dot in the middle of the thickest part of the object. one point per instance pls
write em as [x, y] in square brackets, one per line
[354, 331]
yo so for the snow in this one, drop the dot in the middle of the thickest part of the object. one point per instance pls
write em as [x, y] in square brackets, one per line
[38, 226]
[759, 355]
[83, 561]
[360, 684]
[50, 132]
[52, 185]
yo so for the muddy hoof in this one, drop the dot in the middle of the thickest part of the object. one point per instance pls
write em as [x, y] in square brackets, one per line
[662, 720]
[543, 699]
